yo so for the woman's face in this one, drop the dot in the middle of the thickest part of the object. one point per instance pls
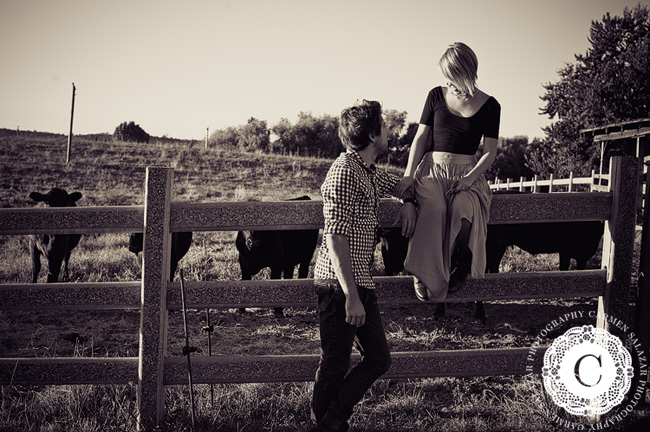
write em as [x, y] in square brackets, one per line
[455, 90]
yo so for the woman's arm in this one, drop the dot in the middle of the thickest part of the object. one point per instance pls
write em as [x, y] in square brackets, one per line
[419, 147]
[483, 164]
[489, 154]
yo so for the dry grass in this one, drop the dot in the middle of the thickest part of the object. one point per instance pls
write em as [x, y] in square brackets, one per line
[113, 174]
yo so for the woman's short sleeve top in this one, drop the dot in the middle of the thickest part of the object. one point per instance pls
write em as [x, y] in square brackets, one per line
[456, 134]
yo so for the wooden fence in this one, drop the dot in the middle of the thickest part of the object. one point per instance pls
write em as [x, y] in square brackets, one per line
[154, 296]
[597, 182]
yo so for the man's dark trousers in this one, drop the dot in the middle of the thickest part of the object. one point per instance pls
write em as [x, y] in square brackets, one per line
[336, 391]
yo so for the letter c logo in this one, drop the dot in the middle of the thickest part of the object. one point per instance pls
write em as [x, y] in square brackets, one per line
[576, 370]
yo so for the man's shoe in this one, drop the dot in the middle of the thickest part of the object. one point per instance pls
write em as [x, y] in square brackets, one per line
[330, 423]
[420, 290]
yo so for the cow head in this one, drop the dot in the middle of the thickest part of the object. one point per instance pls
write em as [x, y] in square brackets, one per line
[252, 239]
[136, 242]
[56, 198]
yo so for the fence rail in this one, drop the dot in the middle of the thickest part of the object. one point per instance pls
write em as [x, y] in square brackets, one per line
[293, 292]
[154, 295]
[595, 183]
[578, 206]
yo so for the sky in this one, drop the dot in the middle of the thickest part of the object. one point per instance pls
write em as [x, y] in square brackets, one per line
[185, 68]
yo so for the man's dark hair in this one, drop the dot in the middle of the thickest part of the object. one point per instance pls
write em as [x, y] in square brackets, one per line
[358, 122]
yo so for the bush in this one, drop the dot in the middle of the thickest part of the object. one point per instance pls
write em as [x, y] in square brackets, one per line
[130, 132]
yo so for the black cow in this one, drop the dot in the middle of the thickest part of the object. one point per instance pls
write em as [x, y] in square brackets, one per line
[181, 242]
[280, 250]
[55, 248]
[394, 247]
[578, 240]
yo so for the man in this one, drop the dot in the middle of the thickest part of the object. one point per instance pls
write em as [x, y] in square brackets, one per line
[346, 292]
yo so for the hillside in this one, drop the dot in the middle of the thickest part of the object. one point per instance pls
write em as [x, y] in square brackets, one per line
[109, 173]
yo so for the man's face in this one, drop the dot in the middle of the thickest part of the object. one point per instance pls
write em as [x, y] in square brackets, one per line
[381, 142]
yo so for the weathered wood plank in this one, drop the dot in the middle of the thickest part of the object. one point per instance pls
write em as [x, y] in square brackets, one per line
[618, 242]
[153, 313]
[291, 292]
[205, 370]
[70, 296]
[555, 207]
[617, 131]
[69, 220]
[515, 208]
[391, 290]
[414, 364]
[233, 216]
[77, 370]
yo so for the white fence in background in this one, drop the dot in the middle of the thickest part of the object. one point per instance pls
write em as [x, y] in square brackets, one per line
[595, 183]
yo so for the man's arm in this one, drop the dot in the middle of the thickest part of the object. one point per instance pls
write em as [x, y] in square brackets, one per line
[407, 218]
[339, 250]
[387, 185]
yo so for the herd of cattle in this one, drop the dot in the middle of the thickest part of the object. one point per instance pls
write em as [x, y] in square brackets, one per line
[283, 250]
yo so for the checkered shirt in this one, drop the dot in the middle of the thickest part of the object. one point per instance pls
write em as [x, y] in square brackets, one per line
[351, 193]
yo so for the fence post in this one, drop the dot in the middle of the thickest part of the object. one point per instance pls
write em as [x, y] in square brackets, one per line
[550, 184]
[618, 243]
[535, 184]
[593, 178]
[521, 184]
[153, 317]
[642, 320]
[571, 181]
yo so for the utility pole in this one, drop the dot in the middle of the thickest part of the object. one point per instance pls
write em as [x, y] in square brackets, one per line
[67, 160]
[207, 134]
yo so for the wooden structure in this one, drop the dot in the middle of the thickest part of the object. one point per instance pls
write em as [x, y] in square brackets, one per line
[154, 296]
[633, 138]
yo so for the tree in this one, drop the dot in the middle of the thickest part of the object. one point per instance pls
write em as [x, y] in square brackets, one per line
[510, 161]
[328, 143]
[286, 141]
[310, 136]
[395, 123]
[225, 138]
[398, 152]
[609, 83]
[130, 132]
[545, 159]
[254, 135]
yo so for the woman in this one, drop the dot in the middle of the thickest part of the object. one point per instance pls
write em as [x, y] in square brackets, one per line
[452, 193]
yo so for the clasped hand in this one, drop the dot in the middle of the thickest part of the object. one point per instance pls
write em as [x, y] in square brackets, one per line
[403, 185]
[462, 184]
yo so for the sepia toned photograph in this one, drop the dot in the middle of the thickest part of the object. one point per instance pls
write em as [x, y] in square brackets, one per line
[324, 216]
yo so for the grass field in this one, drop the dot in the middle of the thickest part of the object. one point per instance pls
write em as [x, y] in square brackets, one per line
[113, 174]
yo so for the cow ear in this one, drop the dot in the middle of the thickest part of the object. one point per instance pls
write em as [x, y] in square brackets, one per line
[38, 197]
[74, 196]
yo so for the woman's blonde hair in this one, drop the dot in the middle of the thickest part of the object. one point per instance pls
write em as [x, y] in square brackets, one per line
[460, 65]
